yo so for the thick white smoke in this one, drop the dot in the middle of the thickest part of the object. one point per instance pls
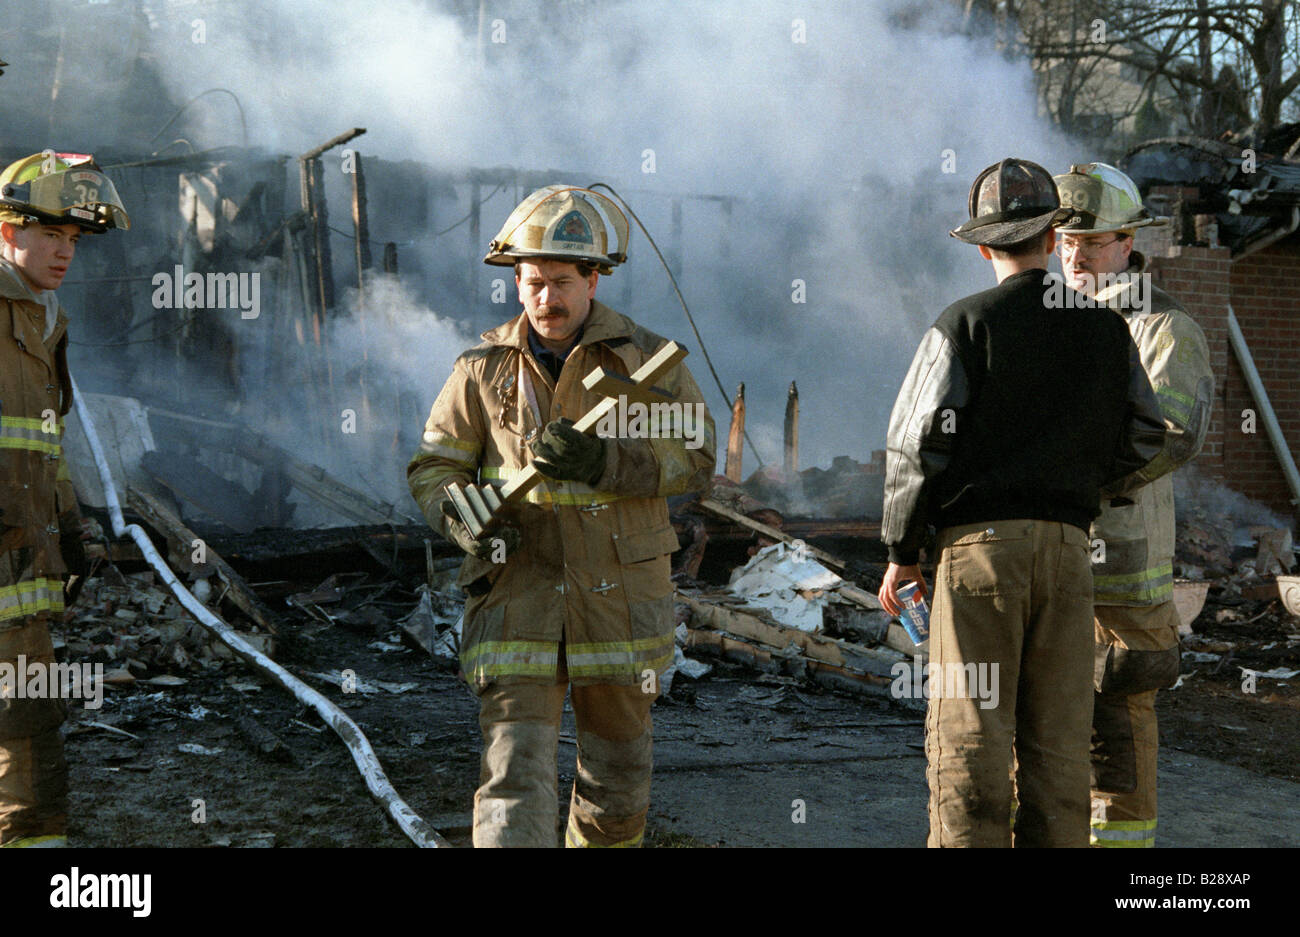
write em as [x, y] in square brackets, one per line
[848, 142]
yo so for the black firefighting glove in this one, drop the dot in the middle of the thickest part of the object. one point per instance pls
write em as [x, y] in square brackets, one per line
[565, 454]
[484, 546]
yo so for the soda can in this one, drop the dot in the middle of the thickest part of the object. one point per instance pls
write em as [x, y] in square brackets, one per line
[915, 617]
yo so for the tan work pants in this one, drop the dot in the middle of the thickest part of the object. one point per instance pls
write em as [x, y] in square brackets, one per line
[516, 802]
[1136, 653]
[33, 771]
[1015, 595]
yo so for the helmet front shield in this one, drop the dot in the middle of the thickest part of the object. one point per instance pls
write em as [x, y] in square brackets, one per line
[78, 195]
[1101, 199]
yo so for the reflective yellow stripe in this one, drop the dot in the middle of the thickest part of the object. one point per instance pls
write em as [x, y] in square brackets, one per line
[619, 658]
[551, 492]
[30, 597]
[1123, 834]
[1126, 826]
[1175, 405]
[1150, 585]
[449, 448]
[575, 840]
[498, 658]
[49, 448]
[30, 422]
[30, 842]
[489, 659]
[24, 432]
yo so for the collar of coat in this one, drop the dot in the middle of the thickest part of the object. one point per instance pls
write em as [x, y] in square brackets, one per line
[603, 324]
[1124, 297]
[17, 291]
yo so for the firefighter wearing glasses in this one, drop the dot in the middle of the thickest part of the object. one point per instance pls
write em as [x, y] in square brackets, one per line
[47, 201]
[1136, 624]
[579, 594]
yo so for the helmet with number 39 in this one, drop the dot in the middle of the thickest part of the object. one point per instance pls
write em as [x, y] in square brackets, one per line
[60, 188]
[1101, 199]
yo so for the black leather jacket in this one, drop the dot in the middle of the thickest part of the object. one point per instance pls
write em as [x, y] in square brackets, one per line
[1015, 408]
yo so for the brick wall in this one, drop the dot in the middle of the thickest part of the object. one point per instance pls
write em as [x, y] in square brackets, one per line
[1264, 290]
[1266, 300]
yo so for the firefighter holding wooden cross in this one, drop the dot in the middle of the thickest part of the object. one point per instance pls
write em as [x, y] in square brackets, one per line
[573, 589]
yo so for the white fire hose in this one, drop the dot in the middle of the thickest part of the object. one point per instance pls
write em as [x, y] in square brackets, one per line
[420, 832]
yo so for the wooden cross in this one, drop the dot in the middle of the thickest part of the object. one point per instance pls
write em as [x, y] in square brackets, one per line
[480, 506]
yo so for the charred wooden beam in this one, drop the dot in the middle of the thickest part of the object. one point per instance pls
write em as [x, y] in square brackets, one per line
[320, 545]
[360, 221]
[263, 741]
[117, 551]
[713, 507]
[712, 644]
[361, 244]
[731, 649]
[810, 528]
[312, 193]
[342, 138]
[778, 637]
[181, 541]
[736, 437]
[318, 223]
[271, 499]
[194, 483]
[792, 432]
[274, 240]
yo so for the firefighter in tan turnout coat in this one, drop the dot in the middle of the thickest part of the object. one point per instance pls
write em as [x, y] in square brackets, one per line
[46, 201]
[575, 590]
[1136, 624]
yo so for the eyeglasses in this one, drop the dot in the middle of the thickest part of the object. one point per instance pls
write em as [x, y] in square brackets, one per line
[1068, 245]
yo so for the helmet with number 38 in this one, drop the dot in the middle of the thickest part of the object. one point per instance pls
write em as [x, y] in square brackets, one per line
[1101, 199]
[60, 188]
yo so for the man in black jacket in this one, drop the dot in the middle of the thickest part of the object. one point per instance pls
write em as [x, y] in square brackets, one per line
[1022, 404]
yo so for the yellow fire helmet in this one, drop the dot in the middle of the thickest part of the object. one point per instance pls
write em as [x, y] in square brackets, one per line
[562, 222]
[1101, 199]
[60, 188]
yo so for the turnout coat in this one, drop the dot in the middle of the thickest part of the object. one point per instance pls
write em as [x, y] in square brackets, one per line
[590, 578]
[35, 393]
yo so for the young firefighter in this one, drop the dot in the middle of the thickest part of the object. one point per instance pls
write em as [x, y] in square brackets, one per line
[1017, 410]
[47, 201]
[1136, 624]
[579, 593]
